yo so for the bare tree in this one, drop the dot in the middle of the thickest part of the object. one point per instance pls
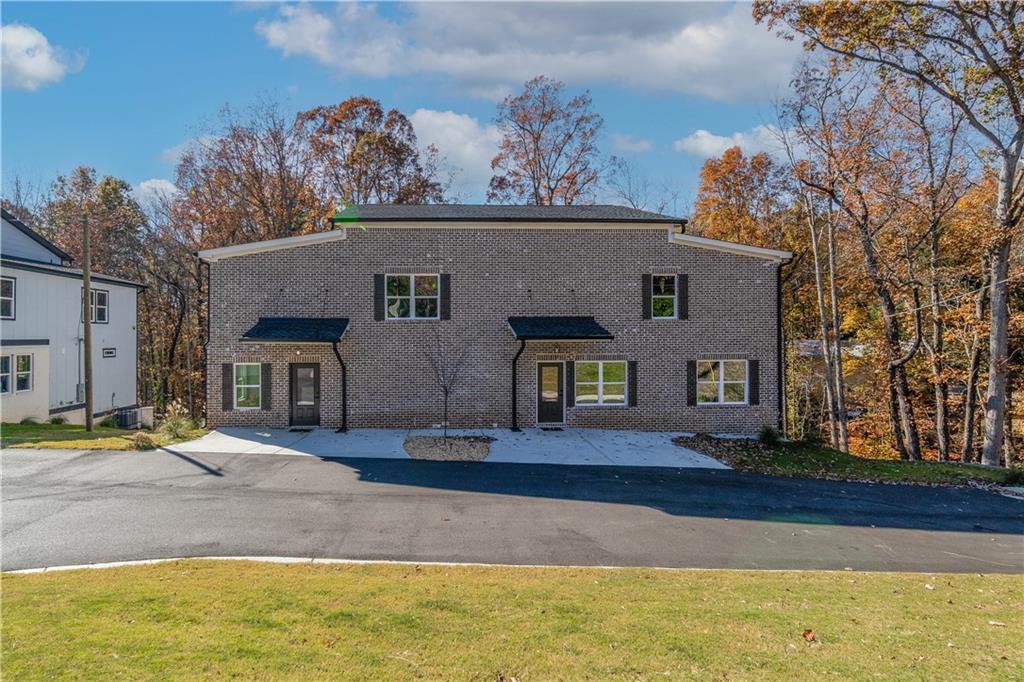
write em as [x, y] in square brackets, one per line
[447, 360]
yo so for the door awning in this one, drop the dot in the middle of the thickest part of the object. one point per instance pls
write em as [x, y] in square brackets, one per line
[558, 328]
[297, 330]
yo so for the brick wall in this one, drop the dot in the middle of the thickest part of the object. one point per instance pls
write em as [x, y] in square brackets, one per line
[494, 274]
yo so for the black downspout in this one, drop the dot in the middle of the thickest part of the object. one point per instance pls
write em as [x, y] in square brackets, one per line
[344, 389]
[515, 387]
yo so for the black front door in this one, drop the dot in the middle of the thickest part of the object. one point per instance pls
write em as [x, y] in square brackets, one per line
[550, 393]
[305, 392]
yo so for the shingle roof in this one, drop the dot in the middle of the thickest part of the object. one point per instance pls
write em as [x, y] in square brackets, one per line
[37, 266]
[35, 236]
[557, 328]
[583, 213]
[297, 330]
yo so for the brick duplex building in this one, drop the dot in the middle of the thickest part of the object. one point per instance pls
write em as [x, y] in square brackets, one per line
[593, 316]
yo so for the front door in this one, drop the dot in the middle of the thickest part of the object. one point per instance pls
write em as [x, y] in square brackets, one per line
[305, 392]
[550, 393]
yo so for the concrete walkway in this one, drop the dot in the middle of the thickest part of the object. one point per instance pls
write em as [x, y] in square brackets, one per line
[529, 446]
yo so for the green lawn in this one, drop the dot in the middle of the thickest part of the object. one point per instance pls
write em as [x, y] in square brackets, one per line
[75, 437]
[817, 461]
[240, 619]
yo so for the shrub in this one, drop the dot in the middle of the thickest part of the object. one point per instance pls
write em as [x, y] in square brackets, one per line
[58, 419]
[29, 420]
[1015, 477]
[143, 441]
[109, 422]
[769, 436]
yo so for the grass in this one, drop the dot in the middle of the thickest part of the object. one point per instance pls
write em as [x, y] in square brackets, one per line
[75, 437]
[810, 460]
[198, 618]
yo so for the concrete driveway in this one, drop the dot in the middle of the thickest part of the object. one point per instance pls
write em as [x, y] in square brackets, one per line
[530, 446]
[63, 507]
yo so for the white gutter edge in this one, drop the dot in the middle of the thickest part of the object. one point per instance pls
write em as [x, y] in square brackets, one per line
[729, 247]
[214, 255]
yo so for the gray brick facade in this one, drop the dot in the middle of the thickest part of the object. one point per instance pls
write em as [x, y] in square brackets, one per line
[497, 273]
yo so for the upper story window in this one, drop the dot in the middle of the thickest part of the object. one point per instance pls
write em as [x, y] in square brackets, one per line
[413, 296]
[99, 306]
[7, 287]
[23, 373]
[663, 297]
[248, 388]
[601, 383]
[722, 382]
[5, 373]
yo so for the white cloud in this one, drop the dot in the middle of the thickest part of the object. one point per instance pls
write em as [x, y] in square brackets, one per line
[153, 193]
[467, 145]
[172, 155]
[489, 49]
[626, 142]
[704, 144]
[29, 61]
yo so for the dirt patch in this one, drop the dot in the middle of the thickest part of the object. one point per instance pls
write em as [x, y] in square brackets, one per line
[450, 449]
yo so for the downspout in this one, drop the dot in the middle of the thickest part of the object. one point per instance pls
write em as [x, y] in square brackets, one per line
[515, 387]
[344, 389]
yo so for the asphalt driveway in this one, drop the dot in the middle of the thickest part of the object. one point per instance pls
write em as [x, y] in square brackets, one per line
[70, 507]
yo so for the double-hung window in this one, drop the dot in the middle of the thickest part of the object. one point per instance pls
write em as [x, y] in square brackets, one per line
[413, 297]
[601, 383]
[7, 286]
[100, 306]
[247, 386]
[22, 373]
[722, 382]
[5, 373]
[663, 297]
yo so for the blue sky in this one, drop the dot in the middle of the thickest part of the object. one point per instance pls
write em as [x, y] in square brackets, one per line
[121, 86]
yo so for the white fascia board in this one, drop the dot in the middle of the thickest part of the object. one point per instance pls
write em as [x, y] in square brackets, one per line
[506, 225]
[213, 255]
[729, 247]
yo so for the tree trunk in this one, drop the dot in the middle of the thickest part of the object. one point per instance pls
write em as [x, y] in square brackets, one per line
[840, 381]
[940, 384]
[998, 362]
[974, 370]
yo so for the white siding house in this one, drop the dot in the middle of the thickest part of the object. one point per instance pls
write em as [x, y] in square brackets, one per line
[41, 345]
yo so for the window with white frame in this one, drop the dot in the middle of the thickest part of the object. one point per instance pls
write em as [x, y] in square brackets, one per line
[663, 297]
[247, 386]
[601, 383]
[722, 382]
[100, 307]
[5, 373]
[7, 286]
[413, 297]
[22, 373]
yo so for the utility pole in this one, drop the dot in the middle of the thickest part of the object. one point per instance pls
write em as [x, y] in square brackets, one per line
[87, 318]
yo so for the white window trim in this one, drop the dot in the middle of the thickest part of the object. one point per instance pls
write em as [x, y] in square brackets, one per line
[12, 299]
[235, 386]
[721, 382]
[412, 295]
[31, 372]
[94, 306]
[600, 384]
[9, 374]
[674, 296]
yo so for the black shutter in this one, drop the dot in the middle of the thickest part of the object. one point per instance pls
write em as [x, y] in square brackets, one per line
[754, 382]
[683, 297]
[227, 386]
[645, 296]
[265, 390]
[570, 383]
[631, 378]
[446, 297]
[691, 382]
[378, 297]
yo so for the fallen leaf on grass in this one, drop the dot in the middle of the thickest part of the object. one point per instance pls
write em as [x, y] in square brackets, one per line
[810, 636]
[997, 623]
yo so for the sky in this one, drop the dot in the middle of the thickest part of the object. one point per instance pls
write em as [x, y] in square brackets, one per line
[123, 87]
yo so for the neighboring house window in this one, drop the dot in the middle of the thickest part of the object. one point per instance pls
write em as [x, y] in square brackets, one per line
[5, 373]
[99, 306]
[7, 298]
[23, 373]
[663, 297]
[413, 296]
[722, 382]
[601, 383]
[247, 386]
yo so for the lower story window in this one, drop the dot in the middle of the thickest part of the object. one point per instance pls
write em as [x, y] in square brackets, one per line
[247, 386]
[601, 383]
[23, 373]
[722, 382]
[5, 373]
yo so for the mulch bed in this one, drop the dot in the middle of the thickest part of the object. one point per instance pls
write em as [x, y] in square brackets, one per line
[450, 449]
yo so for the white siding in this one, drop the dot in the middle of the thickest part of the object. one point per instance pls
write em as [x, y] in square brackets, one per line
[47, 307]
[14, 242]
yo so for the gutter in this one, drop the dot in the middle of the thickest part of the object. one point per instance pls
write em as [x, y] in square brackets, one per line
[515, 385]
